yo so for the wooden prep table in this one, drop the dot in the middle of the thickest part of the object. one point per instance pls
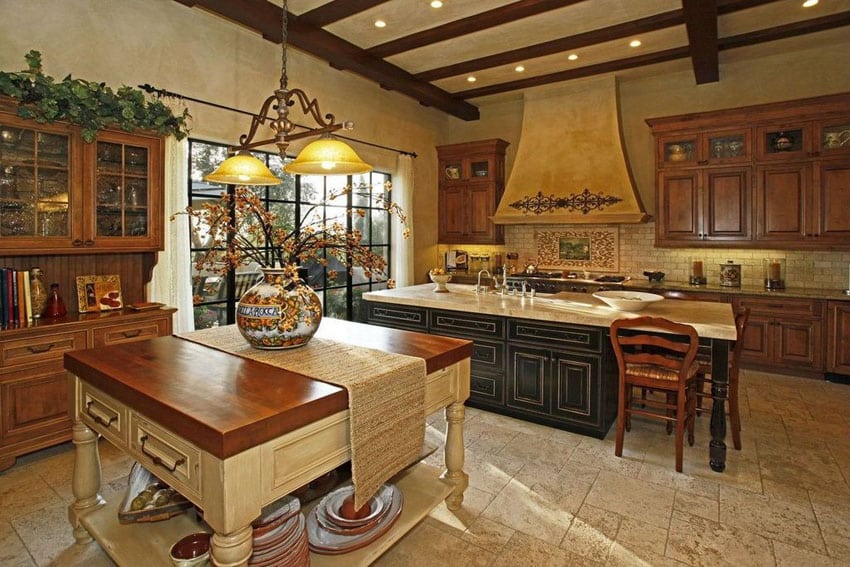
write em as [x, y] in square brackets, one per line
[233, 435]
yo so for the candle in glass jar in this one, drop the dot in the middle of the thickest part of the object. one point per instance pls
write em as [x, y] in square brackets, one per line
[697, 269]
[775, 272]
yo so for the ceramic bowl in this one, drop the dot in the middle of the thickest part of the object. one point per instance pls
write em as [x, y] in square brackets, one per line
[627, 300]
[440, 280]
[191, 551]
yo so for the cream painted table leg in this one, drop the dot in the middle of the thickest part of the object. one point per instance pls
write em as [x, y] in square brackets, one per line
[454, 455]
[86, 479]
[233, 549]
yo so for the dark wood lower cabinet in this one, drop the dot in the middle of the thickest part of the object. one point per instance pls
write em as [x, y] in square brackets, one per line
[555, 374]
[838, 333]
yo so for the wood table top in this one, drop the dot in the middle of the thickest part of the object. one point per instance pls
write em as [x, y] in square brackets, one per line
[225, 404]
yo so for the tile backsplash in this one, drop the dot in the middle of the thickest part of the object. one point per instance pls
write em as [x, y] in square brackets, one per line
[804, 269]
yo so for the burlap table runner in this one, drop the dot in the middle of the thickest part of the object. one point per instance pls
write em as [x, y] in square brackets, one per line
[386, 398]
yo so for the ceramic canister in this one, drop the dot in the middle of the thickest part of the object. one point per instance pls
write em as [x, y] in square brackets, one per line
[730, 274]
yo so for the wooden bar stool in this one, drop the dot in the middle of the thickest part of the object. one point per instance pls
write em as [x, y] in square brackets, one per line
[703, 389]
[659, 362]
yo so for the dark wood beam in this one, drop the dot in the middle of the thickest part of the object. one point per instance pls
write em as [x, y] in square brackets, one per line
[336, 10]
[265, 18]
[587, 71]
[643, 25]
[701, 23]
[804, 27]
[466, 26]
[729, 6]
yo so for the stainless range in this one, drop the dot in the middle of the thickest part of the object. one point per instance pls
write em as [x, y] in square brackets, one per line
[554, 282]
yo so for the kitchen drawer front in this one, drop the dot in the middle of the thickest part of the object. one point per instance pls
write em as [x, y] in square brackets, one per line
[36, 349]
[34, 406]
[781, 307]
[488, 356]
[487, 387]
[103, 413]
[175, 461]
[557, 335]
[467, 324]
[398, 316]
[130, 332]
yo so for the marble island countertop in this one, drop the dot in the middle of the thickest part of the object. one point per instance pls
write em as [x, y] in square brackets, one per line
[710, 319]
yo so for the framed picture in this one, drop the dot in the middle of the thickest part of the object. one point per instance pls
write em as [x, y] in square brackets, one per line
[99, 293]
[592, 248]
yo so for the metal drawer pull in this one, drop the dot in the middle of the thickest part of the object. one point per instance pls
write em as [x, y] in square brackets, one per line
[131, 334]
[97, 419]
[40, 349]
[158, 461]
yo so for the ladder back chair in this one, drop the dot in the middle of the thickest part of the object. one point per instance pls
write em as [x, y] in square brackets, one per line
[663, 360]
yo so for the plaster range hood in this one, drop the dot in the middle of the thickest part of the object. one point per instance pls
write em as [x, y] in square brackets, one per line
[570, 166]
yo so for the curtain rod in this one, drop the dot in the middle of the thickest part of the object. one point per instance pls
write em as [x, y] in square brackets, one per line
[162, 92]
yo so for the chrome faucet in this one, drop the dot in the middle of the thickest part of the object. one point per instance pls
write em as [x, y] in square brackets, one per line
[478, 284]
[524, 287]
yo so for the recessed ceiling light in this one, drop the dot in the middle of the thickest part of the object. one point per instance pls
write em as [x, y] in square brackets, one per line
[380, 24]
[634, 43]
[572, 56]
[809, 3]
[519, 68]
[471, 79]
[436, 4]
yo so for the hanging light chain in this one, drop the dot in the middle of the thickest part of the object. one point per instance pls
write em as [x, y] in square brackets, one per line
[282, 126]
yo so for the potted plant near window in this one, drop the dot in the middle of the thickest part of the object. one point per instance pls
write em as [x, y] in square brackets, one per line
[282, 311]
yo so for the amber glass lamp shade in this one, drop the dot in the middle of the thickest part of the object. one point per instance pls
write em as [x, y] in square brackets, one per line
[243, 169]
[327, 156]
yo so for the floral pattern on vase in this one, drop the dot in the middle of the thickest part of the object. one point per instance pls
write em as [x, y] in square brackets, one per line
[279, 312]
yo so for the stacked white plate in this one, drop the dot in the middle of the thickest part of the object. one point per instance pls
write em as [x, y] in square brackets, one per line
[332, 533]
[279, 536]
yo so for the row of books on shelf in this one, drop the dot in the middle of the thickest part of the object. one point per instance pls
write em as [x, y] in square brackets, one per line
[16, 302]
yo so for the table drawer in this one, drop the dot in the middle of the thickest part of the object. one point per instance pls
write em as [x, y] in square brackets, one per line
[130, 332]
[40, 348]
[175, 461]
[103, 414]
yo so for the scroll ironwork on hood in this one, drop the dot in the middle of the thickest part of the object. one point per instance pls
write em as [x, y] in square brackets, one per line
[570, 166]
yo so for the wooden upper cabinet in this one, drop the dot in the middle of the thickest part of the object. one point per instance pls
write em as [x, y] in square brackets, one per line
[59, 194]
[472, 180]
[767, 176]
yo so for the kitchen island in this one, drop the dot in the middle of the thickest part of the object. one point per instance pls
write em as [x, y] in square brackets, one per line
[233, 435]
[548, 358]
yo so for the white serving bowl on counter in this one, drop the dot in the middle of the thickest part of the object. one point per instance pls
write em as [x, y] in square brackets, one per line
[627, 300]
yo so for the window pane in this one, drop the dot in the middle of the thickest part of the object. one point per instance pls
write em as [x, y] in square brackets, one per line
[380, 226]
[335, 303]
[286, 190]
[312, 188]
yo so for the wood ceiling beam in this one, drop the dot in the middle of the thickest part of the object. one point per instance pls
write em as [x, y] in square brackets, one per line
[804, 27]
[813, 25]
[643, 25]
[265, 18]
[336, 10]
[701, 23]
[471, 24]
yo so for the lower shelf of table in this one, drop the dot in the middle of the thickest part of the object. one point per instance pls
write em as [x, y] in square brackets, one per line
[422, 488]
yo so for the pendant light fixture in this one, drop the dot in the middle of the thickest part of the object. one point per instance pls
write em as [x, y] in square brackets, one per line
[326, 156]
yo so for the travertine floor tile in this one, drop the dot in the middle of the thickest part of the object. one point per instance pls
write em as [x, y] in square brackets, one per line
[519, 507]
[632, 498]
[790, 556]
[542, 452]
[782, 517]
[45, 532]
[592, 533]
[426, 546]
[697, 541]
[523, 549]
[13, 553]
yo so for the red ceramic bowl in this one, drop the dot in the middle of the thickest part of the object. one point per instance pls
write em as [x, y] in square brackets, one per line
[193, 546]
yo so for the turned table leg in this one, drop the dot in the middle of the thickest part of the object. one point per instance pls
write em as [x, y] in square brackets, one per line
[233, 549]
[719, 392]
[86, 479]
[454, 455]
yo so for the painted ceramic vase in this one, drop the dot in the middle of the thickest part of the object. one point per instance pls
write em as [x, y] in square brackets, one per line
[279, 312]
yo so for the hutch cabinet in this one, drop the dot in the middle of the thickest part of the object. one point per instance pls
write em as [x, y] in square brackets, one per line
[767, 176]
[472, 179]
[72, 208]
[59, 194]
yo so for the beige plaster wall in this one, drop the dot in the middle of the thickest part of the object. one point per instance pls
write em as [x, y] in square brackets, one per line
[189, 51]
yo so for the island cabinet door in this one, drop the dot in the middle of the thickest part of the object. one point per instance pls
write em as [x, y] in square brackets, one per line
[528, 379]
[576, 391]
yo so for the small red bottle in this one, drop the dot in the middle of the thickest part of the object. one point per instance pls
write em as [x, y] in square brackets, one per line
[55, 305]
